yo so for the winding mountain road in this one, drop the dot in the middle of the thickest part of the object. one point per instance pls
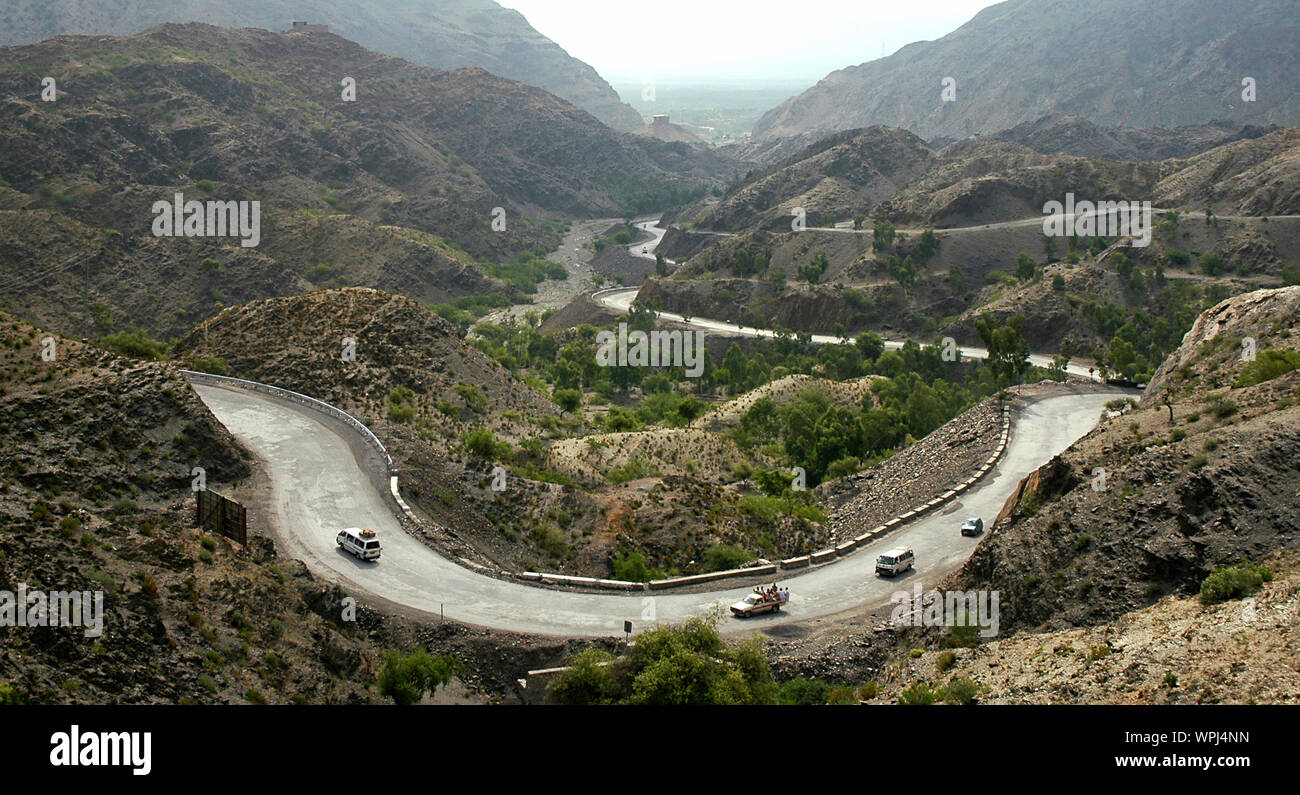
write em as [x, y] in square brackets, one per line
[620, 299]
[317, 486]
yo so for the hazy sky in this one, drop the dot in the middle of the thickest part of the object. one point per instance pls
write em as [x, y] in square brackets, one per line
[797, 39]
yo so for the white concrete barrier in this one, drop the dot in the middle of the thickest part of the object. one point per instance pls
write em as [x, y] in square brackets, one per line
[695, 579]
[588, 582]
[823, 556]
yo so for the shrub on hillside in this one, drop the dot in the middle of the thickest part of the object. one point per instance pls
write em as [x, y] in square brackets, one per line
[135, 345]
[801, 692]
[1268, 364]
[723, 557]
[405, 678]
[1233, 582]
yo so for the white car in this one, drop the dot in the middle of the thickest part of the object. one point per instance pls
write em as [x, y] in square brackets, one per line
[361, 543]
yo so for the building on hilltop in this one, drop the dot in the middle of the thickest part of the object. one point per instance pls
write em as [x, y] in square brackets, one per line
[662, 128]
[303, 27]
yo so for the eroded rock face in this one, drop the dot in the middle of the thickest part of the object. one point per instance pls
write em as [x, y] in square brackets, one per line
[96, 477]
[1143, 506]
[1212, 352]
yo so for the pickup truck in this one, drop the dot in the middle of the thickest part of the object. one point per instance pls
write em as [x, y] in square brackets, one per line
[760, 602]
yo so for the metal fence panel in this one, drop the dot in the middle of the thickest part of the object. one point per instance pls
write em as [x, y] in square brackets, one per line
[223, 516]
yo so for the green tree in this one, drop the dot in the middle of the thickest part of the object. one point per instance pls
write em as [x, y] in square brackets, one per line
[902, 271]
[925, 411]
[1008, 351]
[1268, 364]
[918, 693]
[733, 363]
[870, 345]
[9, 695]
[589, 680]
[813, 270]
[882, 236]
[841, 361]
[956, 278]
[1233, 582]
[401, 404]
[1121, 357]
[1024, 267]
[772, 482]
[926, 247]
[630, 566]
[567, 399]
[689, 664]
[135, 345]
[405, 678]
[482, 443]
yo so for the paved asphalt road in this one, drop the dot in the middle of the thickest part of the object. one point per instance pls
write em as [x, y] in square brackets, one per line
[620, 299]
[317, 487]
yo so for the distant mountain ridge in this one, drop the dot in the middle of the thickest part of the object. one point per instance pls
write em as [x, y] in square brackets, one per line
[396, 190]
[890, 174]
[446, 34]
[1130, 63]
[1060, 132]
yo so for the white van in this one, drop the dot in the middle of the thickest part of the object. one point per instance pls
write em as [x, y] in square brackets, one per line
[894, 562]
[361, 543]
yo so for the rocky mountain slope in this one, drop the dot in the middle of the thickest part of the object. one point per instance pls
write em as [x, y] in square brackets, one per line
[981, 182]
[1131, 63]
[95, 494]
[397, 189]
[298, 343]
[446, 34]
[1251, 177]
[1177, 651]
[889, 174]
[412, 378]
[1075, 135]
[843, 176]
[1201, 473]
[1102, 560]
